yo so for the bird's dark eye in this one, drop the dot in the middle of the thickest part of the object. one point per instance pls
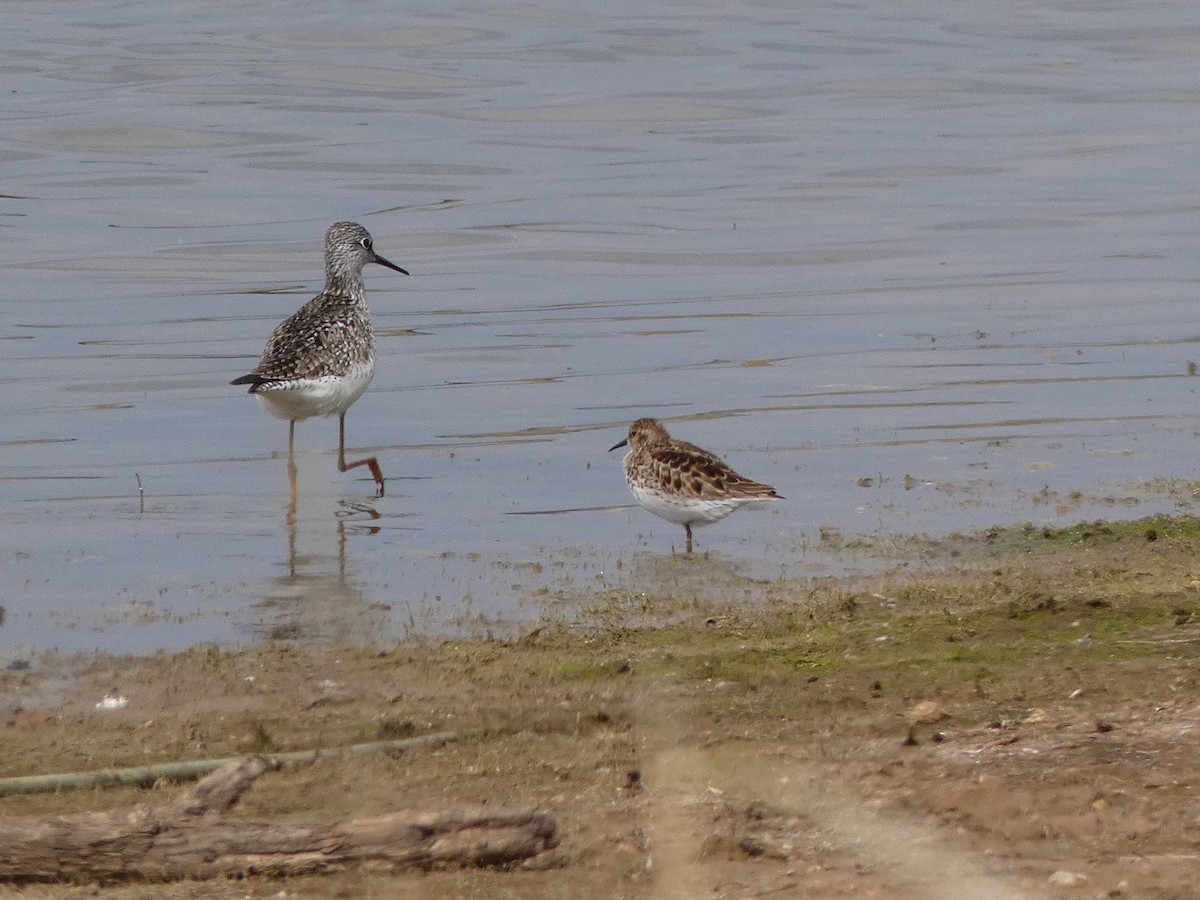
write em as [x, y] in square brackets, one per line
[366, 243]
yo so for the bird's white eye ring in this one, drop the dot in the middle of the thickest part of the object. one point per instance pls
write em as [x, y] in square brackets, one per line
[366, 243]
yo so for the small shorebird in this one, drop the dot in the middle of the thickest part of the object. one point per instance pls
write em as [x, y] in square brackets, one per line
[681, 482]
[319, 360]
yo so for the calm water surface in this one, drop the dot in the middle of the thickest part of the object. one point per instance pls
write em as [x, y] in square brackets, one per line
[923, 267]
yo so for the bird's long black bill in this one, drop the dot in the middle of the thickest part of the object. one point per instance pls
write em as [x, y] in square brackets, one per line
[389, 265]
[624, 443]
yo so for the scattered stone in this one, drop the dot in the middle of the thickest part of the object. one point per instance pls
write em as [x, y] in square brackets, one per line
[928, 711]
[1063, 878]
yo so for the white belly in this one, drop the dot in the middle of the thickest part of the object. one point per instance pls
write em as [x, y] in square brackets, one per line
[684, 510]
[326, 396]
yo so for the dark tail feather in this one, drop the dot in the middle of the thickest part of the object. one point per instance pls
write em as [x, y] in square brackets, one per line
[252, 379]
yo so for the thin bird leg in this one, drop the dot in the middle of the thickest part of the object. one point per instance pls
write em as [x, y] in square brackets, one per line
[688, 530]
[370, 462]
[292, 464]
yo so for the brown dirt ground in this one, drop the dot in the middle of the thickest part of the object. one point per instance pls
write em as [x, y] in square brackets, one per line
[1007, 715]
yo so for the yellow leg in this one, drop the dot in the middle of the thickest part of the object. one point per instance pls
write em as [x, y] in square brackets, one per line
[370, 462]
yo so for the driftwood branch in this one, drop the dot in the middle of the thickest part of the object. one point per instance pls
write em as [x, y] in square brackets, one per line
[190, 838]
[147, 776]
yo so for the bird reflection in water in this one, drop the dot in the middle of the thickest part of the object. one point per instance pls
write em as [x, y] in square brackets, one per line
[347, 516]
[319, 596]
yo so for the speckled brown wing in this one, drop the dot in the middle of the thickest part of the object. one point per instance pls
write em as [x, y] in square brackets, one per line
[321, 338]
[691, 471]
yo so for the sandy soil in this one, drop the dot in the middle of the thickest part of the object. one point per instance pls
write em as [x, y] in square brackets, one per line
[1007, 715]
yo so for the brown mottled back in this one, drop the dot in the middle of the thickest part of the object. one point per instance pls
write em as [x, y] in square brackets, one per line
[682, 468]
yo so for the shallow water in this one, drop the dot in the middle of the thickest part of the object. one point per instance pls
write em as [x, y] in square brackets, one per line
[923, 267]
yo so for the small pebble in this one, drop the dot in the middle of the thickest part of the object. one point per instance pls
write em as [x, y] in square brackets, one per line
[1063, 878]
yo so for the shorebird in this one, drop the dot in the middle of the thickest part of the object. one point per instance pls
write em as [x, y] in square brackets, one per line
[681, 482]
[320, 359]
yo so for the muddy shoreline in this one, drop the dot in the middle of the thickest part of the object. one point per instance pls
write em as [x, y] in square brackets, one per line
[1005, 714]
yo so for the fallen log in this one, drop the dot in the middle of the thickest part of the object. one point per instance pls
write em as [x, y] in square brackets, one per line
[190, 838]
